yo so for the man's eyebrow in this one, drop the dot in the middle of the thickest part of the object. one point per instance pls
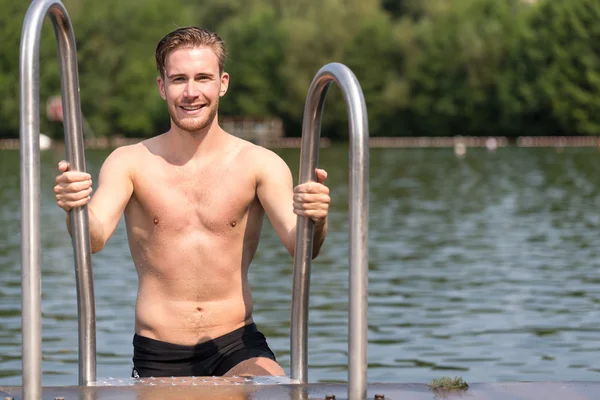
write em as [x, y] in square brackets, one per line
[175, 76]
[200, 74]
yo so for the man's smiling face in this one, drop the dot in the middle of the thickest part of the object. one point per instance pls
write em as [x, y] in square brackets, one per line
[192, 86]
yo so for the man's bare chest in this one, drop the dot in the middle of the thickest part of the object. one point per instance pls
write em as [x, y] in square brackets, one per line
[212, 199]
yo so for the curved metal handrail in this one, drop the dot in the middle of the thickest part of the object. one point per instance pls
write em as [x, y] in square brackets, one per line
[30, 194]
[358, 227]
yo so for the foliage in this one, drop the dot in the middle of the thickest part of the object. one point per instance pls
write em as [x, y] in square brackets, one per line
[458, 55]
[11, 19]
[427, 67]
[254, 64]
[556, 67]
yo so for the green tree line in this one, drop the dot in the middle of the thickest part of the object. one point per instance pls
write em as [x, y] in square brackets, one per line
[426, 67]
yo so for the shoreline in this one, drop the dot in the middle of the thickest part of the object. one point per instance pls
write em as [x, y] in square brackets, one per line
[490, 142]
[112, 143]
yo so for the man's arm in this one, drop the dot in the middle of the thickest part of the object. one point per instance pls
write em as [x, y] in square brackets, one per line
[283, 203]
[115, 187]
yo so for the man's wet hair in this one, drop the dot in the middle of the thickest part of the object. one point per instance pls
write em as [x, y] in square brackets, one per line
[188, 37]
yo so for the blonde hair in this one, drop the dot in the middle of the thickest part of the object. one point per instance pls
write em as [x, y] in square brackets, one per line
[190, 36]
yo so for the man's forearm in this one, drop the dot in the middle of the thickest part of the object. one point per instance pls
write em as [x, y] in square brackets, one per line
[96, 231]
[320, 231]
[319, 238]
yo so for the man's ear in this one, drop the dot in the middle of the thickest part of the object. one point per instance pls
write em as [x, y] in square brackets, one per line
[224, 84]
[161, 87]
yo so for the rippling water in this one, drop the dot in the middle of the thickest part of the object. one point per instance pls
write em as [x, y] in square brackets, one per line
[484, 267]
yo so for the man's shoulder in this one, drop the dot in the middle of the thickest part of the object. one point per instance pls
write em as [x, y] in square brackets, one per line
[257, 155]
[124, 153]
[262, 162]
[125, 157]
[128, 150]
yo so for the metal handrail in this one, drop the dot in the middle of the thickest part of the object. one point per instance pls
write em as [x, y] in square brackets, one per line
[30, 195]
[358, 227]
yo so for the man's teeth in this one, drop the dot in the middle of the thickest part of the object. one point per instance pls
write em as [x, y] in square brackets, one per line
[189, 108]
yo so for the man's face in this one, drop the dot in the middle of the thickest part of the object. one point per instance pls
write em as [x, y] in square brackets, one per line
[192, 87]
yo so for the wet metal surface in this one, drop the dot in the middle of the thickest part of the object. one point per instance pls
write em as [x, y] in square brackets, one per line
[243, 389]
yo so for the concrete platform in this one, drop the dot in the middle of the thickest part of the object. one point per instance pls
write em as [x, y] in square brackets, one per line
[196, 388]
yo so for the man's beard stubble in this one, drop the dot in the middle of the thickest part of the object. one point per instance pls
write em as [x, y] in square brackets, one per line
[195, 125]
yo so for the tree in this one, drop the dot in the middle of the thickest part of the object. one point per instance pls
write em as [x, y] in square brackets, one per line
[556, 67]
[11, 23]
[255, 57]
[455, 64]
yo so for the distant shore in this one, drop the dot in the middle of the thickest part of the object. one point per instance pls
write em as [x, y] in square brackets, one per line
[491, 142]
[112, 143]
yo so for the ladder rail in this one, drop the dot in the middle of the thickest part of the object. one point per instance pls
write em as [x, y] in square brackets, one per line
[358, 227]
[29, 69]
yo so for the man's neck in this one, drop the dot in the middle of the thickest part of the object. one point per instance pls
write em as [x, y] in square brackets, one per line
[196, 145]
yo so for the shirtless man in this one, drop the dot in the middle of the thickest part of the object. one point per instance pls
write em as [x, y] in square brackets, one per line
[194, 199]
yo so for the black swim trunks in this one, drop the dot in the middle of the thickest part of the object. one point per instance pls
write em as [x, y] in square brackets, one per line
[213, 358]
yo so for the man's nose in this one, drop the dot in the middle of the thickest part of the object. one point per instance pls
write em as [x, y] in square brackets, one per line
[191, 89]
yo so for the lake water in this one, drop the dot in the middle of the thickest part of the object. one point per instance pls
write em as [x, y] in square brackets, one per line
[484, 267]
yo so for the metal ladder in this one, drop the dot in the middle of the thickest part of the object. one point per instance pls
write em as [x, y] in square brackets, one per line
[358, 227]
[30, 195]
[75, 153]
